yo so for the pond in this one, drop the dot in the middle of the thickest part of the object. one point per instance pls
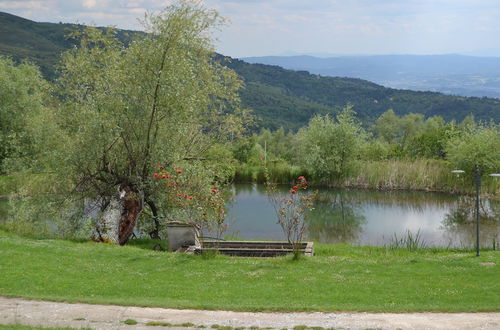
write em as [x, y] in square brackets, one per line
[362, 217]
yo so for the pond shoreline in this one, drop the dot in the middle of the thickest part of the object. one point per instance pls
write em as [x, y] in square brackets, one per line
[387, 175]
[369, 217]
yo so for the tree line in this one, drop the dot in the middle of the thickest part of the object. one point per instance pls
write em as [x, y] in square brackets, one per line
[331, 148]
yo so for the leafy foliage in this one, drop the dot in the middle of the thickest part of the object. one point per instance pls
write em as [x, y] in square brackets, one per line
[161, 100]
[331, 147]
[22, 97]
[411, 135]
[476, 149]
[192, 196]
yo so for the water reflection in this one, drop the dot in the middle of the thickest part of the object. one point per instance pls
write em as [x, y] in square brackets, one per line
[460, 223]
[375, 218]
[363, 217]
[336, 218]
[367, 217]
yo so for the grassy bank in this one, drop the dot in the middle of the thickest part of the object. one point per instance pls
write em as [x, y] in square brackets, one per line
[338, 278]
[426, 175]
[278, 173]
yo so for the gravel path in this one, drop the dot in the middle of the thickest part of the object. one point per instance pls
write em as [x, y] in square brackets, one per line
[55, 314]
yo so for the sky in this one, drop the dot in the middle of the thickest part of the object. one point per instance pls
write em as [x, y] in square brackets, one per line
[317, 27]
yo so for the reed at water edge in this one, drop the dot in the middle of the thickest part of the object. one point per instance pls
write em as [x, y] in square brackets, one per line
[423, 175]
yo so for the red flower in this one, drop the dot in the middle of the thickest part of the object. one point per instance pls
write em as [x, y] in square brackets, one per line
[190, 197]
[214, 191]
[295, 187]
[293, 191]
[301, 178]
[156, 175]
[165, 176]
[179, 194]
[179, 171]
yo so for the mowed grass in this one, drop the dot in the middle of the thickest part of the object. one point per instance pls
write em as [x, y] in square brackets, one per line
[338, 278]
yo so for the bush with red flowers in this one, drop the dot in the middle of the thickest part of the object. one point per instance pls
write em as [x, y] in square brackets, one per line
[291, 209]
[192, 197]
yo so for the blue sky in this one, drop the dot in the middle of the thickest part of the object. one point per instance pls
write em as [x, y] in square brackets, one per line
[343, 27]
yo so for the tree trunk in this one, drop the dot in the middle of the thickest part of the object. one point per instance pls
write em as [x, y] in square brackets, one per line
[117, 221]
[155, 233]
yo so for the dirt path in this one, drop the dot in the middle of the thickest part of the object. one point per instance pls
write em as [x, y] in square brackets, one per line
[54, 314]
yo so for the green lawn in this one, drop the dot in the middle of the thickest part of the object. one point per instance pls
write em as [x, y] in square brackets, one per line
[338, 278]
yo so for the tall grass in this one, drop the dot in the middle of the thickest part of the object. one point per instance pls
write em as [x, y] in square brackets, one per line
[278, 173]
[409, 241]
[421, 174]
[429, 175]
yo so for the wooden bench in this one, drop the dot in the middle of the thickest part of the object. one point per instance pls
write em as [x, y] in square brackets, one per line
[253, 248]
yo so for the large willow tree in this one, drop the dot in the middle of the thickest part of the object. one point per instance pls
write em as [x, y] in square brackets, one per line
[162, 99]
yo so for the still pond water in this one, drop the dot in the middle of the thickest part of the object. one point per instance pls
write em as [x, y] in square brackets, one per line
[361, 217]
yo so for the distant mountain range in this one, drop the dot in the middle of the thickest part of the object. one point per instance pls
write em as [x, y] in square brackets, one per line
[278, 97]
[450, 74]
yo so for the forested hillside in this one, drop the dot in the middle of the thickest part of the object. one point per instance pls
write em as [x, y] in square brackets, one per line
[279, 97]
[41, 43]
[369, 100]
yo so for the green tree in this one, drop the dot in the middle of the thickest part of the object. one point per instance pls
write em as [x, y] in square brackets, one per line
[242, 149]
[330, 148]
[476, 150]
[431, 142]
[412, 126]
[161, 100]
[399, 132]
[468, 123]
[277, 144]
[22, 96]
[387, 126]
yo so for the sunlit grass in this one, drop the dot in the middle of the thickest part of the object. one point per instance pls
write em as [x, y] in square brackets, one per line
[339, 277]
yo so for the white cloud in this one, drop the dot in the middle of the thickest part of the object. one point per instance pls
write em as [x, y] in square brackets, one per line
[89, 3]
[5, 5]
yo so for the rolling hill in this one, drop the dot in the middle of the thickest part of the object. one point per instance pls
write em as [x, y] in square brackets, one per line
[271, 89]
[279, 97]
[41, 43]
